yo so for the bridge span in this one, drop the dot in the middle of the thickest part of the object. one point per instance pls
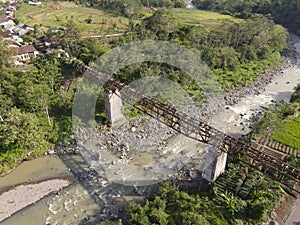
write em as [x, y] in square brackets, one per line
[253, 156]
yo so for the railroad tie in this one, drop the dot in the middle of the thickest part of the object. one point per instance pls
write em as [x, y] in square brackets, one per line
[280, 147]
[288, 149]
[273, 144]
[285, 149]
[277, 145]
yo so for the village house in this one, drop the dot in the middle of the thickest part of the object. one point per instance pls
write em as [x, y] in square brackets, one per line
[6, 35]
[6, 22]
[9, 9]
[24, 54]
[35, 3]
[22, 29]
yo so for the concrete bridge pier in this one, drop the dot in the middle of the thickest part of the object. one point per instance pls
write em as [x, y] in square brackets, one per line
[213, 165]
[113, 107]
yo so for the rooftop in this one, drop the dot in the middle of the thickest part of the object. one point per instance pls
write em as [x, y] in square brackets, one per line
[5, 34]
[25, 49]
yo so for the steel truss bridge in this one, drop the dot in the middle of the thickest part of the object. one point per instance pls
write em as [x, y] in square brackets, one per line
[253, 156]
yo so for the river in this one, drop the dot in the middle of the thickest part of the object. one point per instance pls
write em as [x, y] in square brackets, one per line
[85, 201]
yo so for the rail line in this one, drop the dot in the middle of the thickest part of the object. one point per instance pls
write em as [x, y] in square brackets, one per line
[253, 156]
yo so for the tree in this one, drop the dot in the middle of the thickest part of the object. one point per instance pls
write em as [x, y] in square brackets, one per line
[71, 38]
[5, 55]
[20, 131]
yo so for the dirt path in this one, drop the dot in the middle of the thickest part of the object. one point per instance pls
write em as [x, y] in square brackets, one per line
[54, 6]
[38, 12]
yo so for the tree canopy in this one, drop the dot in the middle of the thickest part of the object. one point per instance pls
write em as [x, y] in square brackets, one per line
[285, 12]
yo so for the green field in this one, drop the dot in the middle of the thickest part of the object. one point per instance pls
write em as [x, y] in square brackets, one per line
[288, 133]
[56, 14]
[199, 17]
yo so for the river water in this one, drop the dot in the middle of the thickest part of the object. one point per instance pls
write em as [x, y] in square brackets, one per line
[237, 119]
[77, 204]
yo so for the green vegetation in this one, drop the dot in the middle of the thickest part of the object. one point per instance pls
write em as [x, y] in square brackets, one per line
[284, 12]
[20, 138]
[237, 51]
[199, 17]
[35, 108]
[283, 121]
[36, 104]
[239, 194]
[172, 206]
[57, 14]
[288, 133]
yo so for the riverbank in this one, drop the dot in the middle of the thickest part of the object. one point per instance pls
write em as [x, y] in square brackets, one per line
[22, 196]
[45, 168]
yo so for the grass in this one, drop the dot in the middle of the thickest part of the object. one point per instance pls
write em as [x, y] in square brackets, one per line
[56, 14]
[199, 17]
[288, 133]
[245, 73]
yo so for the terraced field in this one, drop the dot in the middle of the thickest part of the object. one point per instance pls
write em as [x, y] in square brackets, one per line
[199, 17]
[289, 133]
[54, 15]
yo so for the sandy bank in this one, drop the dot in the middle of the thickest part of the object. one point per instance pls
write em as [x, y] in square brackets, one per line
[23, 195]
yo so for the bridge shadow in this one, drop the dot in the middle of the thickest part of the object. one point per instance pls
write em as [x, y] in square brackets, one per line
[112, 198]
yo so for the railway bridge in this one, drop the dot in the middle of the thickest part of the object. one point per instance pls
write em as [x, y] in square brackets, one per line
[253, 156]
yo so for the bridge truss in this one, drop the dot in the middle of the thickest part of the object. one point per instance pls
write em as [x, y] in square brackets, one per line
[275, 168]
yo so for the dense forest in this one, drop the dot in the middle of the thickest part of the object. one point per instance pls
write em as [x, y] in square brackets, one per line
[239, 194]
[237, 52]
[285, 12]
[35, 108]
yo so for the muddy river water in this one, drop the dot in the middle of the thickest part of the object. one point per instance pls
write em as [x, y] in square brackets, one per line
[76, 204]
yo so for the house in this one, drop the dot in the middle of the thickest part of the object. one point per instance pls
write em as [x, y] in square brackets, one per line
[35, 3]
[9, 1]
[10, 8]
[24, 54]
[6, 22]
[9, 11]
[47, 42]
[22, 29]
[6, 35]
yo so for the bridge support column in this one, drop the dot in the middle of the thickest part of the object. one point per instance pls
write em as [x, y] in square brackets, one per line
[213, 165]
[113, 107]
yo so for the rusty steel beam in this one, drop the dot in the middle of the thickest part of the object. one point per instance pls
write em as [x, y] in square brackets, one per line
[196, 129]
